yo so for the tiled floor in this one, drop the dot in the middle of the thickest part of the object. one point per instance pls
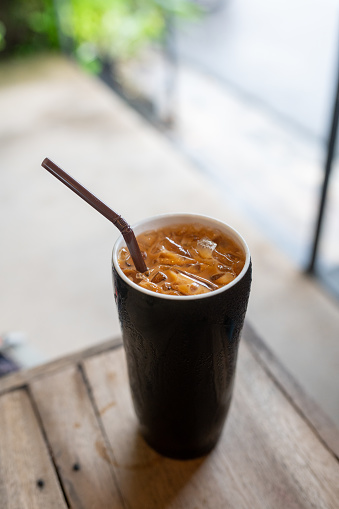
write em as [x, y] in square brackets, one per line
[55, 260]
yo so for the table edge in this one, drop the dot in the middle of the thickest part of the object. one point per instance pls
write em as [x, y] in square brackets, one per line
[21, 378]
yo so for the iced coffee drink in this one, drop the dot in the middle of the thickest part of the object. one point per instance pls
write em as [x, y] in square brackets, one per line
[185, 259]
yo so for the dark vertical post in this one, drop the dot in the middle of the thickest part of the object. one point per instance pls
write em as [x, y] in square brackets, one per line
[331, 145]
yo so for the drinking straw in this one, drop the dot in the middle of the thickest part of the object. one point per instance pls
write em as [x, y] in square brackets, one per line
[98, 205]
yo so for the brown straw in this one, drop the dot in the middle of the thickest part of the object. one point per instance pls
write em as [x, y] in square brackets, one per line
[112, 216]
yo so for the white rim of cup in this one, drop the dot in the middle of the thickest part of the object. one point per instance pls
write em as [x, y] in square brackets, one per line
[177, 218]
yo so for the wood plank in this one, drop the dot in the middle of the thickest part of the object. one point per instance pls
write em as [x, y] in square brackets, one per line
[27, 476]
[76, 439]
[323, 425]
[287, 463]
[268, 456]
[21, 378]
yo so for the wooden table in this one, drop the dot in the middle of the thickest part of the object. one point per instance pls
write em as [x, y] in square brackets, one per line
[68, 438]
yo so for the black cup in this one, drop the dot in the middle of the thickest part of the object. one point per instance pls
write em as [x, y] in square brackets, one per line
[181, 352]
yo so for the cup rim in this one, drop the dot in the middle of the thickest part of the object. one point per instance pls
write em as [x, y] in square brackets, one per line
[190, 217]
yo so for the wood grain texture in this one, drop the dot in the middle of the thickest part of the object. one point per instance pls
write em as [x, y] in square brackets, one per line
[325, 428]
[27, 476]
[285, 453]
[268, 457]
[76, 440]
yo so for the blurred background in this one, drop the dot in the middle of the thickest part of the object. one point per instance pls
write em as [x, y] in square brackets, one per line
[222, 107]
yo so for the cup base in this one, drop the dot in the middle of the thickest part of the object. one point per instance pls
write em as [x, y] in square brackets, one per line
[184, 454]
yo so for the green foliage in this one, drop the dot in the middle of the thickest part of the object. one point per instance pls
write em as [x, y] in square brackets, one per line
[2, 35]
[27, 26]
[118, 28]
[97, 28]
[113, 28]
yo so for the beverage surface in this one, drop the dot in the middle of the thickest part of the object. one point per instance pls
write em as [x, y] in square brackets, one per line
[184, 259]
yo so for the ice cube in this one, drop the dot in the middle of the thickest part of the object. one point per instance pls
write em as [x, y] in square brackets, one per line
[170, 245]
[141, 275]
[159, 276]
[205, 248]
[225, 279]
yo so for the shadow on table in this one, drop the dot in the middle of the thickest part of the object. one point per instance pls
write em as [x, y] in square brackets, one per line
[147, 479]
